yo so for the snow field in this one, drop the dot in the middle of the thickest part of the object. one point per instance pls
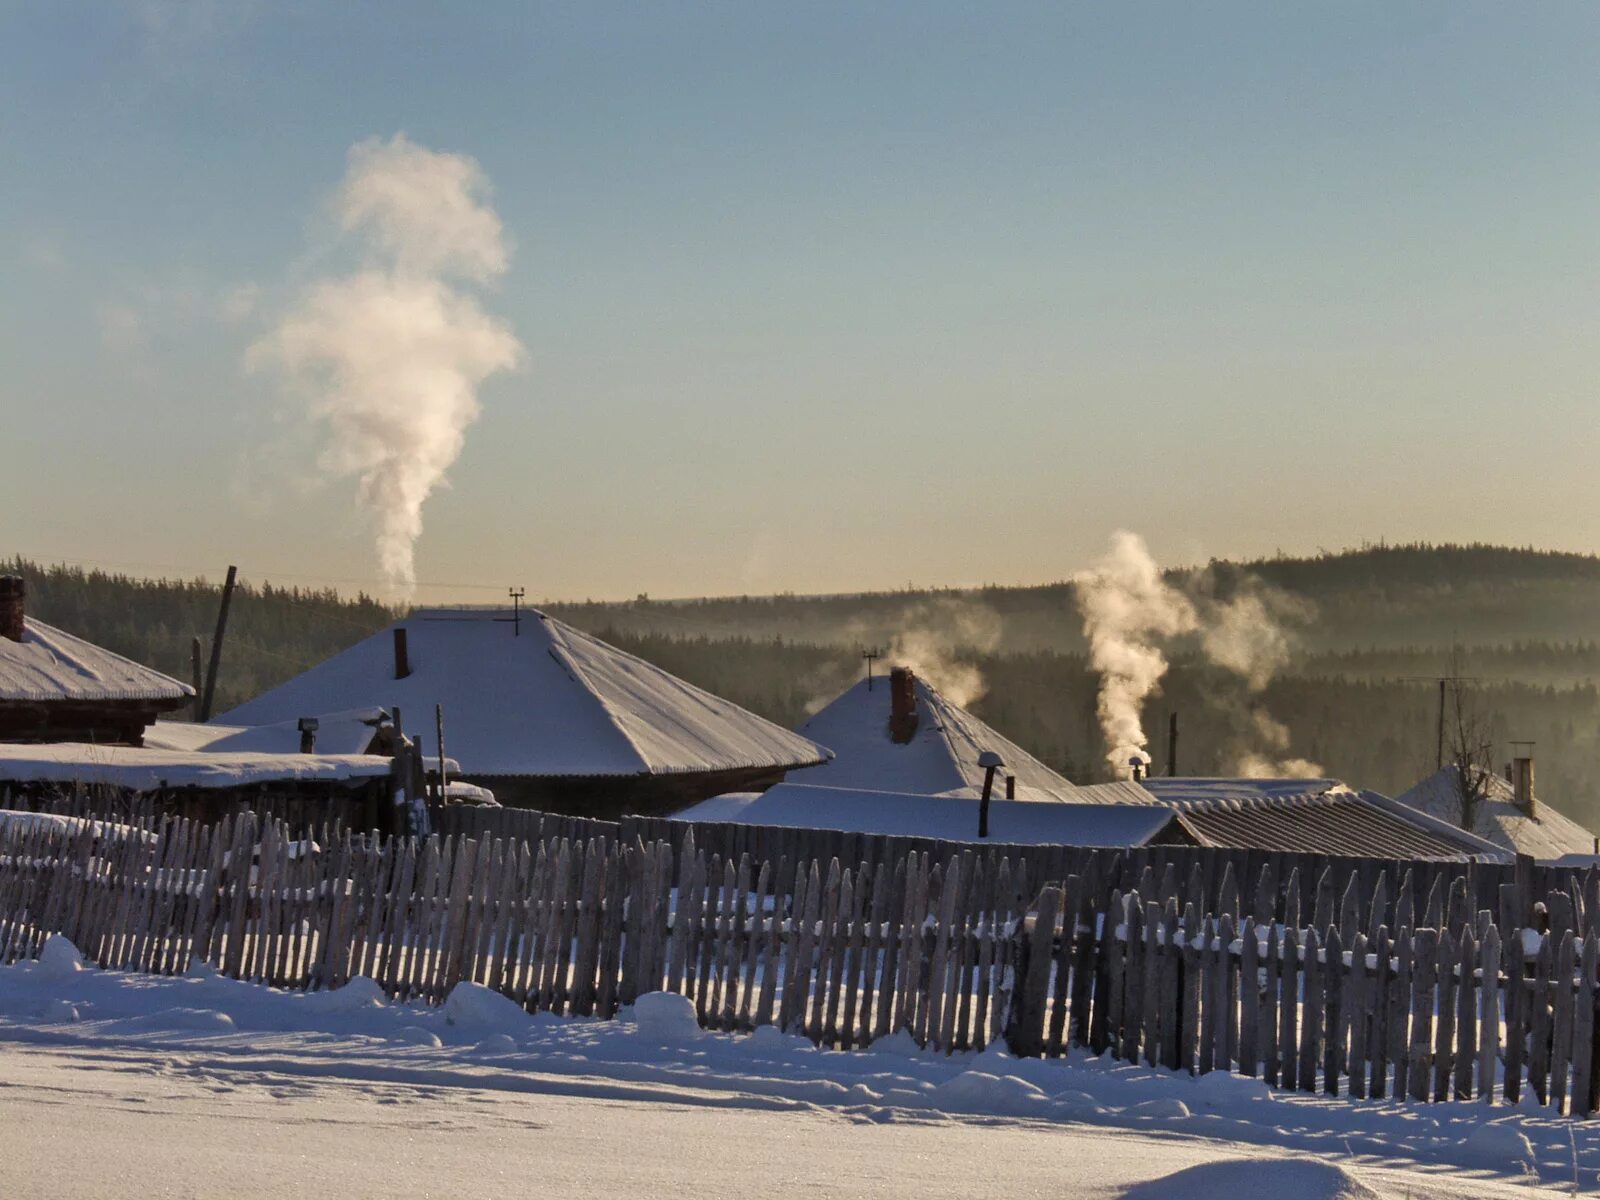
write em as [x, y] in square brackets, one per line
[656, 1052]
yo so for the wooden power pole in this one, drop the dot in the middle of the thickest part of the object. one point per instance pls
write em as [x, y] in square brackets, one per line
[216, 643]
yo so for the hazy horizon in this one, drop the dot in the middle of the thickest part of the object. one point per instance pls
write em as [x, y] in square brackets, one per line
[814, 300]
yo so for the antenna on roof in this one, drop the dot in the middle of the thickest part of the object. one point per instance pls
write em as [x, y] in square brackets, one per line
[871, 654]
[516, 595]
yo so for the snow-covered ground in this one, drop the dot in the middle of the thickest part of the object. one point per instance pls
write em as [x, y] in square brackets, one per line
[119, 1083]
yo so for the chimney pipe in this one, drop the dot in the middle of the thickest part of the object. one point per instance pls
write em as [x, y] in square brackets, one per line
[1011, 787]
[402, 661]
[902, 705]
[308, 735]
[13, 606]
[1172, 744]
[1522, 784]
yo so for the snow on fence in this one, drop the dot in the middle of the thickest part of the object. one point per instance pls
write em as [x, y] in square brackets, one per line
[1373, 995]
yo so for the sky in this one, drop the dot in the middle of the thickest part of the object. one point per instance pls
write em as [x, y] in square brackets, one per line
[815, 297]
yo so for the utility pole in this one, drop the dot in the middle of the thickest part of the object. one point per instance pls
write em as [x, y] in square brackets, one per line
[1172, 743]
[516, 595]
[197, 673]
[216, 643]
[871, 655]
[438, 729]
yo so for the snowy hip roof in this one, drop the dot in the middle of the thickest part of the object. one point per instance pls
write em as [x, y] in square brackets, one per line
[535, 697]
[49, 665]
[941, 756]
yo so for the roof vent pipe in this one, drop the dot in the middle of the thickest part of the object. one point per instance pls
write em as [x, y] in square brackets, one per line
[13, 606]
[308, 735]
[402, 660]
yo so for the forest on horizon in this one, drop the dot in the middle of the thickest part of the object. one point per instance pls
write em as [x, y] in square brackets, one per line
[1370, 630]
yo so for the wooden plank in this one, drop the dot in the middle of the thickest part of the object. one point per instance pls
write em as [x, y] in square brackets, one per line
[1311, 1013]
[1424, 967]
[1380, 1011]
[1561, 1021]
[1027, 1036]
[1356, 1016]
[1489, 1015]
[1538, 1024]
[1466, 1049]
[1445, 1005]
[1249, 1000]
[1333, 1055]
[1583, 1025]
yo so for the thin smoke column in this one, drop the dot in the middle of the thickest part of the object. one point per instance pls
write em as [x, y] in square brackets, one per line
[391, 355]
[1128, 610]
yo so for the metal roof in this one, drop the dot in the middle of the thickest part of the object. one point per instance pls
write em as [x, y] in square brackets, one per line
[51, 666]
[1344, 822]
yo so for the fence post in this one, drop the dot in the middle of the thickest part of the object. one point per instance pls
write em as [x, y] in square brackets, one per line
[1025, 1028]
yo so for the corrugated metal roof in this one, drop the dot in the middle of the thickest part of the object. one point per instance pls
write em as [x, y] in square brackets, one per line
[49, 665]
[1342, 822]
[536, 698]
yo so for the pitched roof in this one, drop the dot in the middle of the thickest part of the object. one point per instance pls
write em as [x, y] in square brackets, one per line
[536, 698]
[942, 756]
[947, 817]
[49, 665]
[1548, 834]
[1363, 824]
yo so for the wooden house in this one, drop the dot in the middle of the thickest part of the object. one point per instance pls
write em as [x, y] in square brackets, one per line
[55, 687]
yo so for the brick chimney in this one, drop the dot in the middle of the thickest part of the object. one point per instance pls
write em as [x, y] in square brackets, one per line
[902, 705]
[1522, 784]
[13, 606]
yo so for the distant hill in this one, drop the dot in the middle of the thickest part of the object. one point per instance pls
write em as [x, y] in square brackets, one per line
[1375, 597]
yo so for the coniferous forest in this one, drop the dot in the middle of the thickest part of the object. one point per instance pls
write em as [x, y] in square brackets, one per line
[1370, 632]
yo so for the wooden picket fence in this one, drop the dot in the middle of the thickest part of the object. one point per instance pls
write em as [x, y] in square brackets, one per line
[1368, 994]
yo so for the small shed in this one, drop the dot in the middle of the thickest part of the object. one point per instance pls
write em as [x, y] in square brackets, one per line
[56, 687]
[307, 790]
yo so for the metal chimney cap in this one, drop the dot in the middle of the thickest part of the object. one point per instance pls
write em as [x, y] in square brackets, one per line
[989, 759]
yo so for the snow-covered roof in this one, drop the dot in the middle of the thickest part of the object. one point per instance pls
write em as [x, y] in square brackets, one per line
[142, 769]
[1547, 835]
[947, 817]
[536, 697]
[942, 756]
[50, 665]
[348, 732]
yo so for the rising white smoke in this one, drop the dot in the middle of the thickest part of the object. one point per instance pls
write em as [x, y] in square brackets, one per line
[1128, 610]
[390, 356]
[1130, 616]
[929, 640]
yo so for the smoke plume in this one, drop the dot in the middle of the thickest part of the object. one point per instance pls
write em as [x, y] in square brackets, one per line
[390, 356]
[931, 634]
[1128, 611]
[1131, 615]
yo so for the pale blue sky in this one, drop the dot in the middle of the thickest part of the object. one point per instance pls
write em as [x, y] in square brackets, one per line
[825, 298]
